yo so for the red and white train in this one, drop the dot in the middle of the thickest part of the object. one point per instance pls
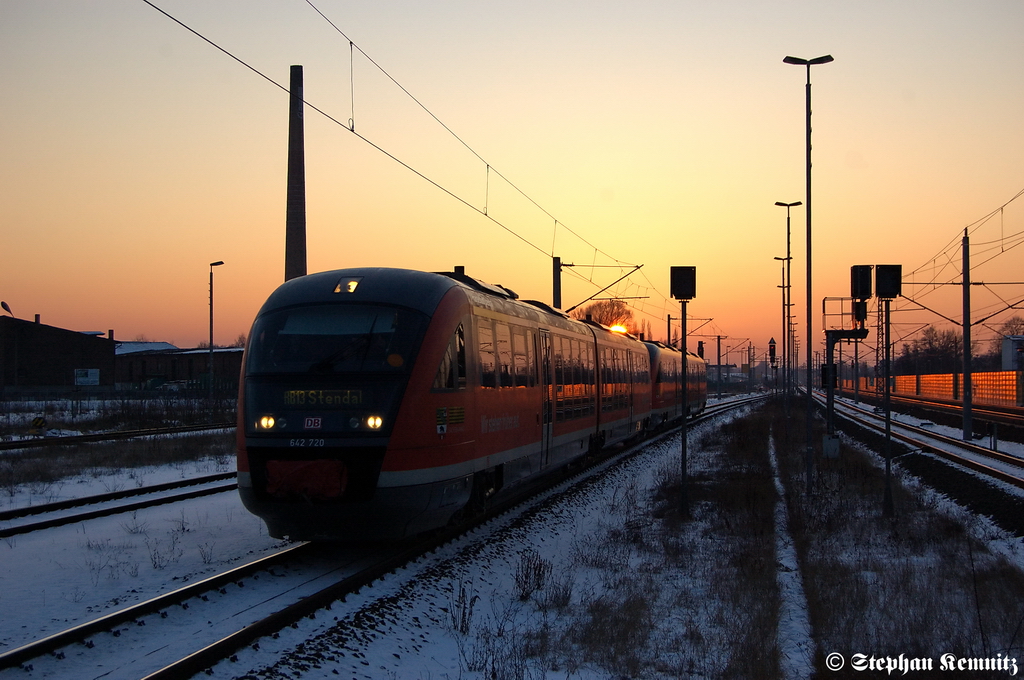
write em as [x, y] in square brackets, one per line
[378, 403]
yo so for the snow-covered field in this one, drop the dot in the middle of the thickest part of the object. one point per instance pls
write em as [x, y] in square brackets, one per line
[501, 604]
[52, 579]
[465, 615]
[589, 587]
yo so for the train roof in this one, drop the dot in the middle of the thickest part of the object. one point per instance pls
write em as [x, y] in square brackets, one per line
[418, 290]
[421, 291]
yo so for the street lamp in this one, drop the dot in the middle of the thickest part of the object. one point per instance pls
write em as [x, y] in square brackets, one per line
[212, 265]
[787, 302]
[785, 341]
[810, 401]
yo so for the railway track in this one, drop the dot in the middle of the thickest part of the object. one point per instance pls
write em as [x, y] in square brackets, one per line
[38, 442]
[991, 463]
[222, 630]
[1003, 415]
[50, 515]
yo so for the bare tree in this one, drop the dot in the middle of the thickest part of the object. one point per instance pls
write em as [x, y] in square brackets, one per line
[1012, 326]
[934, 351]
[607, 312]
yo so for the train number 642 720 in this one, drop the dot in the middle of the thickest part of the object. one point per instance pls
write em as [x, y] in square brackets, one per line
[306, 442]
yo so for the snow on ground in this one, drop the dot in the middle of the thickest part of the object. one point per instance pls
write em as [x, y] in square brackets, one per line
[100, 481]
[52, 579]
[458, 613]
[489, 611]
[796, 649]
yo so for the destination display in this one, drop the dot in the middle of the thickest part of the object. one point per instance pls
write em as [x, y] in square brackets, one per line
[323, 398]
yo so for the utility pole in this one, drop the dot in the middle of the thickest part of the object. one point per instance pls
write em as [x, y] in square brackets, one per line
[556, 276]
[967, 391]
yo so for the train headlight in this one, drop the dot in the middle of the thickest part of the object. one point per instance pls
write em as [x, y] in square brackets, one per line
[374, 422]
[266, 423]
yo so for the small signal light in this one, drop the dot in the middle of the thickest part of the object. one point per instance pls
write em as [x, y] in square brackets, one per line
[266, 423]
[348, 285]
[374, 422]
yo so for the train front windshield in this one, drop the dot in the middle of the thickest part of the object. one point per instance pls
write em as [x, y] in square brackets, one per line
[329, 370]
[331, 339]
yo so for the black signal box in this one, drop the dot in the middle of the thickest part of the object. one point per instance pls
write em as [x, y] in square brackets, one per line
[888, 281]
[683, 283]
[860, 281]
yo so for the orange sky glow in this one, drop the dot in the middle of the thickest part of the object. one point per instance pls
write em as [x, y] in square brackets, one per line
[662, 133]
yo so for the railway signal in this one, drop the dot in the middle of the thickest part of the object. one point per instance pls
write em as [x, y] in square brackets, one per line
[683, 285]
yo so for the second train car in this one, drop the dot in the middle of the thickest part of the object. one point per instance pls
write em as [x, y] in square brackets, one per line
[377, 403]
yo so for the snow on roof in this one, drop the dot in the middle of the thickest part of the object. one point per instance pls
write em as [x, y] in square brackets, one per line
[206, 350]
[131, 347]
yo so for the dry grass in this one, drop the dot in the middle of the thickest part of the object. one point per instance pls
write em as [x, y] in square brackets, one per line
[920, 584]
[654, 596]
[50, 465]
[127, 412]
[657, 595]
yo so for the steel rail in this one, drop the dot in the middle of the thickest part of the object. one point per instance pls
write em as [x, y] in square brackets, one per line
[104, 623]
[1004, 415]
[114, 510]
[111, 496]
[928, 447]
[108, 436]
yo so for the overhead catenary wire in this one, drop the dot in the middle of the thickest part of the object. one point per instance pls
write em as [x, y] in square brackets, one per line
[351, 129]
[489, 168]
[350, 126]
[945, 267]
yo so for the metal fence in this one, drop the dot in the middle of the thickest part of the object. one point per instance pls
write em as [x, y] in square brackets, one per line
[999, 388]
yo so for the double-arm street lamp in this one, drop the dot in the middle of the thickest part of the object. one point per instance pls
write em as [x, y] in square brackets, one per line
[810, 342]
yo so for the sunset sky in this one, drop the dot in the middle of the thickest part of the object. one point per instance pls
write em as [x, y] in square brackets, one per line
[662, 133]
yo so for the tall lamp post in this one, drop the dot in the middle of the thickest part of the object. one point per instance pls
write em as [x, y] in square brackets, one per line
[784, 388]
[787, 350]
[210, 363]
[810, 342]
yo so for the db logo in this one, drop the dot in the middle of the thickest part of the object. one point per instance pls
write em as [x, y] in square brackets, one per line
[313, 424]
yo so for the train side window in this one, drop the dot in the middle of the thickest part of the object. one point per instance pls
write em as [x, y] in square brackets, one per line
[504, 345]
[559, 349]
[485, 342]
[519, 357]
[589, 377]
[460, 357]
[556, 346]
[451, 374]
[531, 360]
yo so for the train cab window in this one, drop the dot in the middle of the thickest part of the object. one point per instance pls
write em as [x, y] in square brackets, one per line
[485, 344]
[451, 374]
[336, 338]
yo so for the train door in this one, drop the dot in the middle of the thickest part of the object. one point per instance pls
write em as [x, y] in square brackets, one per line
[547, 391]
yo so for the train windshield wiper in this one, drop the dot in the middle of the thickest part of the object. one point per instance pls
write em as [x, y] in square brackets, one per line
[363, 342]
[326, 364]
